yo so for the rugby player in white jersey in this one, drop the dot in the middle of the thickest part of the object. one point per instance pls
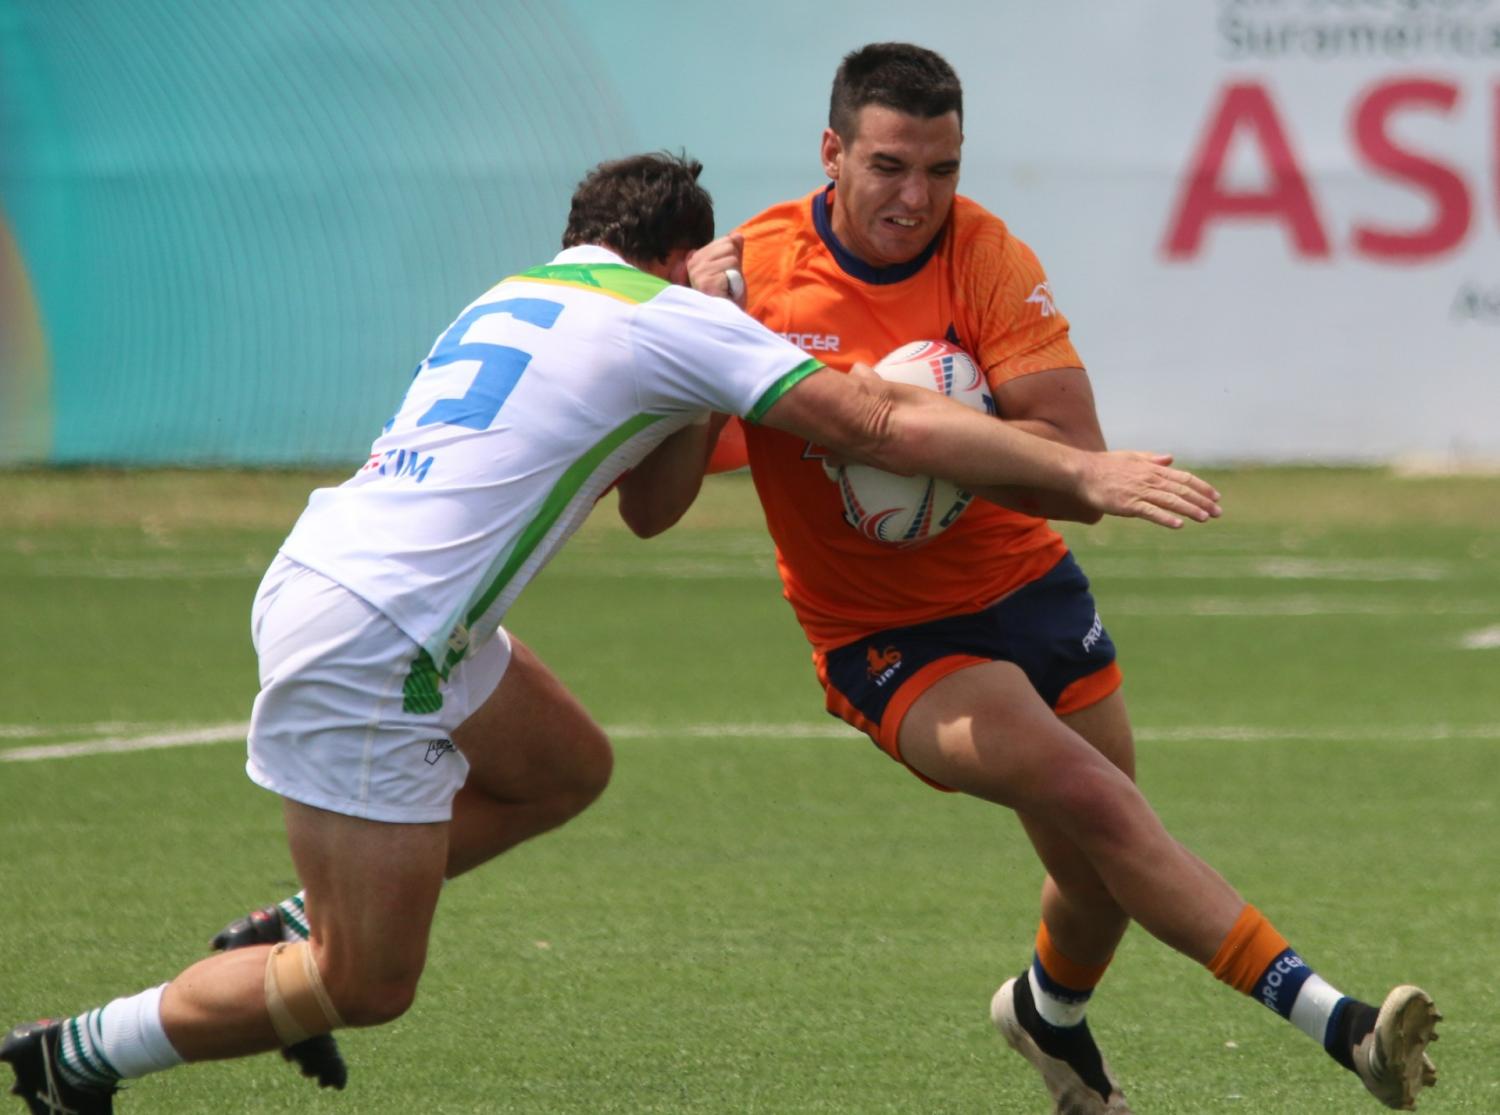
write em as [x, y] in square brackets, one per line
[410, 736]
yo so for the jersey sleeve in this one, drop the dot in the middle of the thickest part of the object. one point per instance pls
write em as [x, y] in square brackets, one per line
[696, 352]
[1015, 317]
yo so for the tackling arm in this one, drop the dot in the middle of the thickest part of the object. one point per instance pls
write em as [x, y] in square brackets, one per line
[659, 490]
[1057, 405]
[914, 431]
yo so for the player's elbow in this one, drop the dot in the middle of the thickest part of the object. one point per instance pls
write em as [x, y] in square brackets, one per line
[652, 502]
[645, 520]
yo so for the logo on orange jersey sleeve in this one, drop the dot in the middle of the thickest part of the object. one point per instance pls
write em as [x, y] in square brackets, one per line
[1041, 296]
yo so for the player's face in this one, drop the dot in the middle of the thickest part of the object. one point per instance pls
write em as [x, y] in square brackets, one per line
[895, 182]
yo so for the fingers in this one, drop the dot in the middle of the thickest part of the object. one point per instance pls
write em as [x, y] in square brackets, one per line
[1142, 486]
[715, 268]
[1196, 484]
[1153, 514]
[1194, 493]
[1174, 495]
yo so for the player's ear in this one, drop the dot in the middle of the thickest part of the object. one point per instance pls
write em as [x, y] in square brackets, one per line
[675, 266]
[832, 153]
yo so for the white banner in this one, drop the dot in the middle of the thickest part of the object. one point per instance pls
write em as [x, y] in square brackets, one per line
[1274, 224]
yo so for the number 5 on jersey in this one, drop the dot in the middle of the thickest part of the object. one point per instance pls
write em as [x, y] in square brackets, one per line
[500, 366]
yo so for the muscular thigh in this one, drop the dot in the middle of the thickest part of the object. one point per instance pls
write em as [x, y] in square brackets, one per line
[1106, 725]
[531, 739]
[371, 888]
[985, 731]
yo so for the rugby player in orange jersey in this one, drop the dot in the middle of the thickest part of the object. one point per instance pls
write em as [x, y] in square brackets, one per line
[978, 660]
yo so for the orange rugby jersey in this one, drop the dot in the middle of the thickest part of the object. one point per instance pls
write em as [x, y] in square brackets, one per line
[976, 286]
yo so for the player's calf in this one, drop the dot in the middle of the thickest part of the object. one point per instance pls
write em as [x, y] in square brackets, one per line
[317, 1057]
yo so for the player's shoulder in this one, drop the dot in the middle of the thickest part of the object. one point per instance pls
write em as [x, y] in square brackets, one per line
[780, 219]
[975, 228]
[984, 247]
[778, 229]
[674, 304]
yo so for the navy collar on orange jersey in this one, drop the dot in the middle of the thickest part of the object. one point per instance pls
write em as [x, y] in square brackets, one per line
[854, 266]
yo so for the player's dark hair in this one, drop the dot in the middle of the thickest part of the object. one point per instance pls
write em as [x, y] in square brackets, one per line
[900, 76]
[643, 207]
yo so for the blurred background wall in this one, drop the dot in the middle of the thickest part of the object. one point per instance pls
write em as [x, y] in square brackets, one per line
[229, 231]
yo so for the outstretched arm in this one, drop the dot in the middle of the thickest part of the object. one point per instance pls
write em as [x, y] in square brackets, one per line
[913, 431]
[1057, 405]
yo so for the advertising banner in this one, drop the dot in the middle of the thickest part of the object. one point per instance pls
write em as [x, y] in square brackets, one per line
[227, 235]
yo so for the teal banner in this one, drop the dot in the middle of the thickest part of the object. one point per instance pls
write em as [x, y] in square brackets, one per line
[228, 232]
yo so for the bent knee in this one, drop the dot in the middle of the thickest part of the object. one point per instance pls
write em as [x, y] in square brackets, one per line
[594, 767]
[365, 994]
[1100, 808]
[373, 1002]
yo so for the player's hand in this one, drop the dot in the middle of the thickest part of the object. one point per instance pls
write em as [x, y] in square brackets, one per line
[1144, 486]
[716, 268]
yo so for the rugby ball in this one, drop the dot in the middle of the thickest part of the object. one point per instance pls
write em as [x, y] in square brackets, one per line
[909, 510]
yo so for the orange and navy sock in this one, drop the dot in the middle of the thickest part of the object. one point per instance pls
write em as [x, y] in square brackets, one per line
[1049, 1002]
[1060, 987]
[1255, 959]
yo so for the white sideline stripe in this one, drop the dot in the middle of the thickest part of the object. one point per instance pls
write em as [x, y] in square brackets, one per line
[1374, 733]
[1486, 638]
[229, 733]
[1285, 606]
[187, 737]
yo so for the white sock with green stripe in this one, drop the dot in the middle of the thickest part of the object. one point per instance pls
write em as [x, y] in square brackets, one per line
[294, 918]
[119, 1041]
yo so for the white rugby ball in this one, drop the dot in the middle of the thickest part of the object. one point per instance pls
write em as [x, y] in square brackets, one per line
[908, 510]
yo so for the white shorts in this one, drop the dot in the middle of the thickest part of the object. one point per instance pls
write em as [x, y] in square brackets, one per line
[329, 728]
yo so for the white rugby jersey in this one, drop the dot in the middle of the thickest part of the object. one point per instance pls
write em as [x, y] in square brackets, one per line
[526, 410]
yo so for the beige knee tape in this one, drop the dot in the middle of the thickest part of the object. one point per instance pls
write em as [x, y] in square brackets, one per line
[299, 1003]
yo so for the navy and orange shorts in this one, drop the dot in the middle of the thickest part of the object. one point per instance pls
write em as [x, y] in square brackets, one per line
[1049, 628]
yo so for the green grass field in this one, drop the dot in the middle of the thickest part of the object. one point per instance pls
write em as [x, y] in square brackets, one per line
[764, 914]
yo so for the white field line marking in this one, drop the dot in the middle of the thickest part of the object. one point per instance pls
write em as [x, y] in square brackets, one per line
[154, 569]
[103, 728]
[1374, 733]
[234, 733]
[1275, 567]
[23, 731]
[185, 737]
[738, 560]
[1486, 638]
[1290, 606]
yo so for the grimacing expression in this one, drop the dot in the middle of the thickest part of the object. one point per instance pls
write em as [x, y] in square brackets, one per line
[895, 180]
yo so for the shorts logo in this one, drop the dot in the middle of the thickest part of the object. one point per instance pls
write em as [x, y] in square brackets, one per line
[436, 749]
[1095, 632]
[881, 665]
